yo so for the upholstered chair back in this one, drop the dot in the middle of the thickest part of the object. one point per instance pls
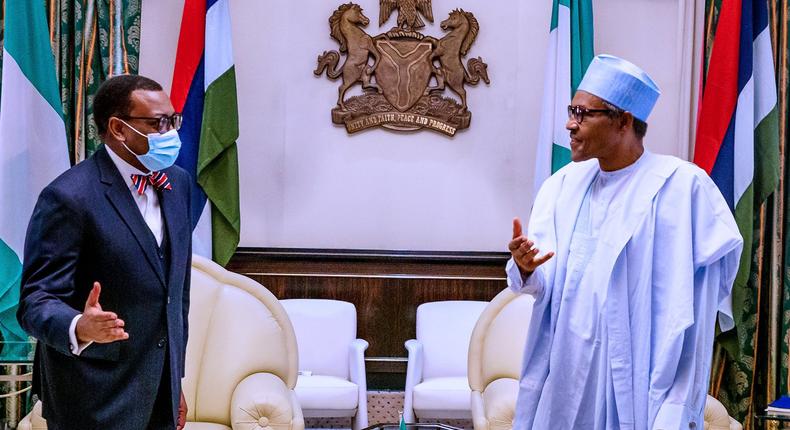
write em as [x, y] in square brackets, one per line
[717, 418]
[324, 330]
[496, 347]
[236, 328]
[444, 328]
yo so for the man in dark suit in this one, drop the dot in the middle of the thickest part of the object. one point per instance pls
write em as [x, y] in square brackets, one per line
[105, 284]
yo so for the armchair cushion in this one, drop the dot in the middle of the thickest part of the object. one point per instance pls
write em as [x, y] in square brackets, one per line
[326, 392]
[263, 401]
[499, 399]
[443, 394]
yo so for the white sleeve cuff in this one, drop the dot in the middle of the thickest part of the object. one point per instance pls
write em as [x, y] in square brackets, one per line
[533, 285]
[76, 347]
[674, 416]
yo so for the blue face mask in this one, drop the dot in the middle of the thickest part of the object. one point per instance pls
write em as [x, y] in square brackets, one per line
[162, 149]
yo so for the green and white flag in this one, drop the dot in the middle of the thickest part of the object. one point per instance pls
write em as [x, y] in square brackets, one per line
[33, 149]
[569, 53]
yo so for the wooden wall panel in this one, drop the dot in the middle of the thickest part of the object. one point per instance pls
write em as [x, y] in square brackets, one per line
[386, 287]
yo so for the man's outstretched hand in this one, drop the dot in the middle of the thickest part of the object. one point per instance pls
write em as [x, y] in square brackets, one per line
[182, 413]
[524, 252]
[97, 325]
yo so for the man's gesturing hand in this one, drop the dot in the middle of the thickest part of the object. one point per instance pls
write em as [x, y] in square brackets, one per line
[182, 412]
[96, 325]
[524, 252]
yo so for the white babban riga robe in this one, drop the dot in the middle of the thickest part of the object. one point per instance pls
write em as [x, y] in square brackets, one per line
[666, 256]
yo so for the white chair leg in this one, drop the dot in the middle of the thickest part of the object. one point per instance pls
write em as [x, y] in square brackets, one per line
[360, 419]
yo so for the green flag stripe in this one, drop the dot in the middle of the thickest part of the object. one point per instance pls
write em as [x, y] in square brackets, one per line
[582, 51]
[766, 156]
[225, 220]
[744, 217]
[10, 277]
[218, 167]
[555, 15]
[766, 178]
[560, 156]
[27, 40]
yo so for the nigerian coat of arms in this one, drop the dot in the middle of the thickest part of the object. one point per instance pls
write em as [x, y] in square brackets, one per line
[403, 73]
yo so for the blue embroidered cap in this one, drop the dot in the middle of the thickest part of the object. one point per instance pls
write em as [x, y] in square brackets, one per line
[622, 84]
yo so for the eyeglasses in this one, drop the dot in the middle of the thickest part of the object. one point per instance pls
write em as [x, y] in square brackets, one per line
[163, 123]
[577, 113]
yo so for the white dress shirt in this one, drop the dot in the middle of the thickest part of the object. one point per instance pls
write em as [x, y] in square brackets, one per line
[148, 204]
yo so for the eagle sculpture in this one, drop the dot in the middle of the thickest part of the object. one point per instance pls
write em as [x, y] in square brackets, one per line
[408, 12]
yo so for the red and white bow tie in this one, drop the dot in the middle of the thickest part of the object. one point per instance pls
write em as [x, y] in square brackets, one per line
[157, 179]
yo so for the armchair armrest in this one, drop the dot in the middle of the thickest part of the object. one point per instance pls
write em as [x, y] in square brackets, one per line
[298, 422]
[414, 366]
[479, 420]
[356, 363]
[33, 420]
[37, 421]
[413, 377]
[263, 400]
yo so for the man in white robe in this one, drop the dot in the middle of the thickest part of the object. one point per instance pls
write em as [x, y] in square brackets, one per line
[642, 253]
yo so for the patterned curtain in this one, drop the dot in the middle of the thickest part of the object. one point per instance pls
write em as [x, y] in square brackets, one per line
[750, 369]
[91, 40]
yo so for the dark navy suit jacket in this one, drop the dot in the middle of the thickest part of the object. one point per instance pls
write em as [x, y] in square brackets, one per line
[86, 227]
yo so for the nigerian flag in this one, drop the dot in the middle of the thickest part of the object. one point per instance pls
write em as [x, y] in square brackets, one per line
[33, 149]
[569, 53]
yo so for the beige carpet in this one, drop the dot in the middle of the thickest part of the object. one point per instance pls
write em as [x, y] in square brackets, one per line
[383, 407]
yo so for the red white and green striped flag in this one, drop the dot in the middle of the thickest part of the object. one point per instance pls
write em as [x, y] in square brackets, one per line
[33, 149]
[738, 133]
[569, 53]
[204, 89]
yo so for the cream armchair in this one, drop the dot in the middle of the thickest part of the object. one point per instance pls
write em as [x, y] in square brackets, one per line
[332, 381]
[436, 373]
[241, 362]
[717, 418]
[496, 348]
[495, 354]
